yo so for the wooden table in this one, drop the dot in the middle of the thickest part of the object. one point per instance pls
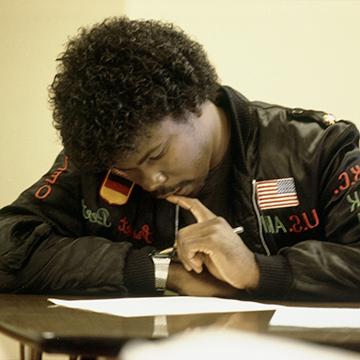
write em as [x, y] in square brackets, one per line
[33, 321]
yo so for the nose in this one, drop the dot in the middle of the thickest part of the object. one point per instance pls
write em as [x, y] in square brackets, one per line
[153, 181]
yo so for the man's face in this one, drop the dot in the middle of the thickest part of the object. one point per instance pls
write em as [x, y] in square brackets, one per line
[173, 159]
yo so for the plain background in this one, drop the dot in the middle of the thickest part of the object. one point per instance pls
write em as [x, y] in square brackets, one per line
[32, 34]
[301, 53]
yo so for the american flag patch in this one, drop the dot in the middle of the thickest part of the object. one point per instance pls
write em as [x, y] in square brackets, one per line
[276, 193]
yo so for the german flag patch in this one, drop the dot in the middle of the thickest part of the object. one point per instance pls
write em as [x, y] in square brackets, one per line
[115, 189]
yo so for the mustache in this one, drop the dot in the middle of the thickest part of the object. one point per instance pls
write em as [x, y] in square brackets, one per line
[164, 191]
[169, 190]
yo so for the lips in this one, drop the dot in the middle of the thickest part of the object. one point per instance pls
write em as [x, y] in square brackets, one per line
[182, 191]
[177, 191]
[185, 188]
[165, 193]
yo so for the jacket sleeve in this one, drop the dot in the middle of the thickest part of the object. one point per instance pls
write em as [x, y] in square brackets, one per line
[43, 247]
[327, 268]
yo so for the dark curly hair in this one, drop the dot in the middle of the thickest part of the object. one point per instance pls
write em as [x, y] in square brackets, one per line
[120, 76]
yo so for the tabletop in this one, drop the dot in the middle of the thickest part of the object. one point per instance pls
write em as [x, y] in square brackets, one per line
[34, 321]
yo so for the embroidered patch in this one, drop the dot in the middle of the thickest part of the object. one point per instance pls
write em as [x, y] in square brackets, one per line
[276, 193]
[115, 189]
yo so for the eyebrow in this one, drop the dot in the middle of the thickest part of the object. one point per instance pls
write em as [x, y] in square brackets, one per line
[143, 159]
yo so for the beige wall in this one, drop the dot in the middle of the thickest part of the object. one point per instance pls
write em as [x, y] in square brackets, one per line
[290, 52]
[31, 36]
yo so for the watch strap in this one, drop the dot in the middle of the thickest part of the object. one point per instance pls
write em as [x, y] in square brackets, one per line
[161, 270]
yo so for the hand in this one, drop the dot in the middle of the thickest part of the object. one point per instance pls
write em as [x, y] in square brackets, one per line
[213, 243]
[190, 283]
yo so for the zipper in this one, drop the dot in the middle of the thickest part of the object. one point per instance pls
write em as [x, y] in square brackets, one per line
[257, 212]
[171, 251]
[176, 221]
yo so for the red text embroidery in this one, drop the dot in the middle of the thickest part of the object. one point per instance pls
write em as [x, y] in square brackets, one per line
[348, 178]
[297, 223]
[44, 191]
[304, 222]
[143, 234]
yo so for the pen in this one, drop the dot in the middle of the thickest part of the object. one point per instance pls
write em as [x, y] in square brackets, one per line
[172, 249]
[238, 230]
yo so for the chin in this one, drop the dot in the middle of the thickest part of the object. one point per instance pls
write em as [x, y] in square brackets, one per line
[196, 189]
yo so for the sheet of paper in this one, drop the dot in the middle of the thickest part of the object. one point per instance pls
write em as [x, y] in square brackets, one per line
[170, 305]
[317, 317]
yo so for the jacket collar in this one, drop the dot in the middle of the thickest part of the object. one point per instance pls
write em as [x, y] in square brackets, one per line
[238, 111]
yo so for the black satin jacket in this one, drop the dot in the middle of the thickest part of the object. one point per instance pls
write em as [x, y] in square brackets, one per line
[295, 188]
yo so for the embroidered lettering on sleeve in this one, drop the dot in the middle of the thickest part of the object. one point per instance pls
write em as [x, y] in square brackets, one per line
[99, 216]
[295, 223]
[354, 200]
[144, 233]
[347, 179]
[45, 190]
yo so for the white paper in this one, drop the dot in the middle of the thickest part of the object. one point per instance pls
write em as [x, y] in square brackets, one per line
[317, 317]
[170, 305]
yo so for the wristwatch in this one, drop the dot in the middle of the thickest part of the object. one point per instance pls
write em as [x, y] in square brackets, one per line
[161, 269]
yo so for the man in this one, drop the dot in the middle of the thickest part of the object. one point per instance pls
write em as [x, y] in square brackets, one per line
[261, 200]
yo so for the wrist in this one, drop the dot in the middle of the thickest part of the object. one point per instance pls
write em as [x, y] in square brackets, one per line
[254, 276]
[161, 269]
[173, 278]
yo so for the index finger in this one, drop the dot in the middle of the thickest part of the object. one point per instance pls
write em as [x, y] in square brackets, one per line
[199, 210]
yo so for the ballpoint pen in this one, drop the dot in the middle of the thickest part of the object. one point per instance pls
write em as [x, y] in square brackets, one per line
[171, 251]
[238, 229]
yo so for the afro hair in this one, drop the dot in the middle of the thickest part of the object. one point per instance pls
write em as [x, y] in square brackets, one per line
[121, 76]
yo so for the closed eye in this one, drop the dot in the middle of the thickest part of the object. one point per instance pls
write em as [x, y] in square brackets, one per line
[159, 155]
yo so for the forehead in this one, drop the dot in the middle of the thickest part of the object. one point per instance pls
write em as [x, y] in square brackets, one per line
[154, 137]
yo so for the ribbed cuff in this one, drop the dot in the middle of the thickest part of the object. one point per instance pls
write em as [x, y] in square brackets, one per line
[139, 272]
[275, 277]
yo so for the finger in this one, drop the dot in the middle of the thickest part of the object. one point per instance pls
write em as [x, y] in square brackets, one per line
[192, 250]
[197, 263]
[203, 229]
[200, 211]
[191, 264]
[183, 259]
[188, 255]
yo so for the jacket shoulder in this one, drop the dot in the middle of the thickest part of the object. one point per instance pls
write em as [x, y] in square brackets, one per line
[324, 119]
[269, 113]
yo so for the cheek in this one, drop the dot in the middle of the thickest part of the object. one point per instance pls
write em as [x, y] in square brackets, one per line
[188, 160]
